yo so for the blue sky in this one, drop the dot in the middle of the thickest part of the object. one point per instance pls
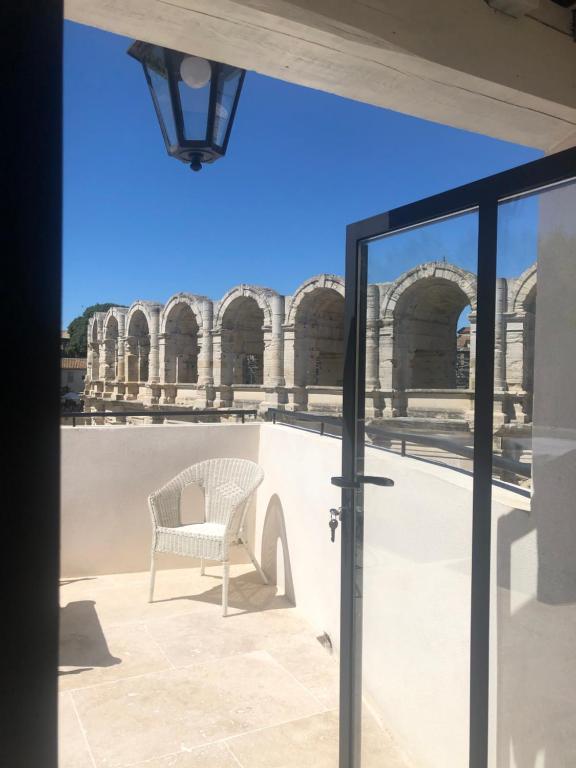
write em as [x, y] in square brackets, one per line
[301, 164]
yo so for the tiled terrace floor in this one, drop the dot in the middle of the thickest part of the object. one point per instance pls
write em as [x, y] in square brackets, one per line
[174, 685]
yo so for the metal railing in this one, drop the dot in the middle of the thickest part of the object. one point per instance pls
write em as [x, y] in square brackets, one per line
[289, 418]
[160, 414]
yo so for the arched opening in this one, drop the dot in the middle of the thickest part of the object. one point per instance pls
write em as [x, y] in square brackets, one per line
[319, 339]
[181, 357]
[243, 342]
[429, 352]
[138, 347]
[111, 347]
[529, 328]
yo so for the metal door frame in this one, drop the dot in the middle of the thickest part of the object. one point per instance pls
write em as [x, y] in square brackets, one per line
[484, 197]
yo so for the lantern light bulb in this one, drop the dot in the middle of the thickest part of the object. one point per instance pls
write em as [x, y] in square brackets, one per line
[195, 72]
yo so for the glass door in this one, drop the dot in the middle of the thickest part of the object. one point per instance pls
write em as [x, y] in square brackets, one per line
[440, 383]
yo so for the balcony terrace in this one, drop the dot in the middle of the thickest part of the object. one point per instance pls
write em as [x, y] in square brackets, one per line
[173, 684]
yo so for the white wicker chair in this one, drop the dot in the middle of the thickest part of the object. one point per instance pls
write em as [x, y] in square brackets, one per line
[228, 485]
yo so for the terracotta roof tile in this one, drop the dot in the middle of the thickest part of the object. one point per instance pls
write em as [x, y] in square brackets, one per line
[73, 362]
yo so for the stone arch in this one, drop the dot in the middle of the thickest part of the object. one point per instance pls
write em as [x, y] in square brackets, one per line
[138, 324]
[96, 346]
[260, 295]
[181, 325]
[111, 334]
[316, 314]
[525, 290]
[335, 282]
[523, 306]
[423, 306]
[243, 323]
[93, 354]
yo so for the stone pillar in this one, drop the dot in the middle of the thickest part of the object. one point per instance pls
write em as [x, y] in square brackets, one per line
[274, 352]
[103, 356]
[500, 336]
[386, 354]
[289, 355]
[121, 372]
[222, 368]
[90, 362]
[372, 334]
[162, 357]
[472, 371]
[205, 356]
[154, 357]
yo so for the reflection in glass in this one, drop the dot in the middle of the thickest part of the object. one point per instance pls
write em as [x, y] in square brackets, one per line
[533, 657]
[421, 319]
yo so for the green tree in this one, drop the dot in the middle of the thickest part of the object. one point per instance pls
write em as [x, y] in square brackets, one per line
[78, 330]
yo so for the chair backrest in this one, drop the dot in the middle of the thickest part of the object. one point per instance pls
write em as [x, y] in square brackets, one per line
[228, 485]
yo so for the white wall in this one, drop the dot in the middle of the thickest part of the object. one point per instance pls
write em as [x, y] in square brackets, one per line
[298, 466]
[107, 474]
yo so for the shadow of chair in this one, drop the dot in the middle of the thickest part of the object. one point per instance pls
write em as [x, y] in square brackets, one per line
[82, 642]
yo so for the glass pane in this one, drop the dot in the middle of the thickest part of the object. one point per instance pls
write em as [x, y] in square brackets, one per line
[228, 83]
[156, 69]
[533, 655]
[418, 535]
[195, 105]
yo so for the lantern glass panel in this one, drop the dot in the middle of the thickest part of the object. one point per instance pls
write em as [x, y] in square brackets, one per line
[227, 88]
[195, 108]
[157, 72]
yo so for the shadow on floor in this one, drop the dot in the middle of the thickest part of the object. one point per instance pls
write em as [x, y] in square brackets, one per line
[82, 641]
[247, 594]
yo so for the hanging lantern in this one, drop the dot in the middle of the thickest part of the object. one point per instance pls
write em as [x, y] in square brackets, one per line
[195, 101]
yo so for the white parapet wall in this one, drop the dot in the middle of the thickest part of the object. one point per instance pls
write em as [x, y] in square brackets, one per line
[107, 475]
[417, 564]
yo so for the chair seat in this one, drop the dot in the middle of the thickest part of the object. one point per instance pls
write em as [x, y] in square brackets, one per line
[195, 540]
[209, 530]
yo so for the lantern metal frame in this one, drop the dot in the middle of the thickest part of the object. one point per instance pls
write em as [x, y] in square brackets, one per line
[194, 152]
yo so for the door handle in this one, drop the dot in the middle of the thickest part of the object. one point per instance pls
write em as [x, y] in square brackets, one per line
[342, 482]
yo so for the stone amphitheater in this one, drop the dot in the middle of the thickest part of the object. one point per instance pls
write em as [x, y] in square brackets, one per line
[255, 348]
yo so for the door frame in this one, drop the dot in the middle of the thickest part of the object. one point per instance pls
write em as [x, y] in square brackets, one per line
[483, 196]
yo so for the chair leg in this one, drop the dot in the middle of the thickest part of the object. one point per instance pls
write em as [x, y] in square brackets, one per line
[225, 589]
[202, 570]
[255, 562]
[152, 577]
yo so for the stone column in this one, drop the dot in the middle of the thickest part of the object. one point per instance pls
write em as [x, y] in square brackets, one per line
[154, 356]
[90, 362]
[472, 370]
[205, 356]
[372, 334]
[162, 357]
[102, 373]
[289, 355]
[500, 336]
[121, 373]
[274, 353]
[222, 367]
[386, 354]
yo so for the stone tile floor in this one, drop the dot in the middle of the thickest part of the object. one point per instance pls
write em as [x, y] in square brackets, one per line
[174, 685]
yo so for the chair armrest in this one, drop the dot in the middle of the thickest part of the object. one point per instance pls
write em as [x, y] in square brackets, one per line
[165, 507]
[164, 503]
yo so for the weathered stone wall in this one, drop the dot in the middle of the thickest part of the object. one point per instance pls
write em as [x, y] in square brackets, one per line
[255, 347]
